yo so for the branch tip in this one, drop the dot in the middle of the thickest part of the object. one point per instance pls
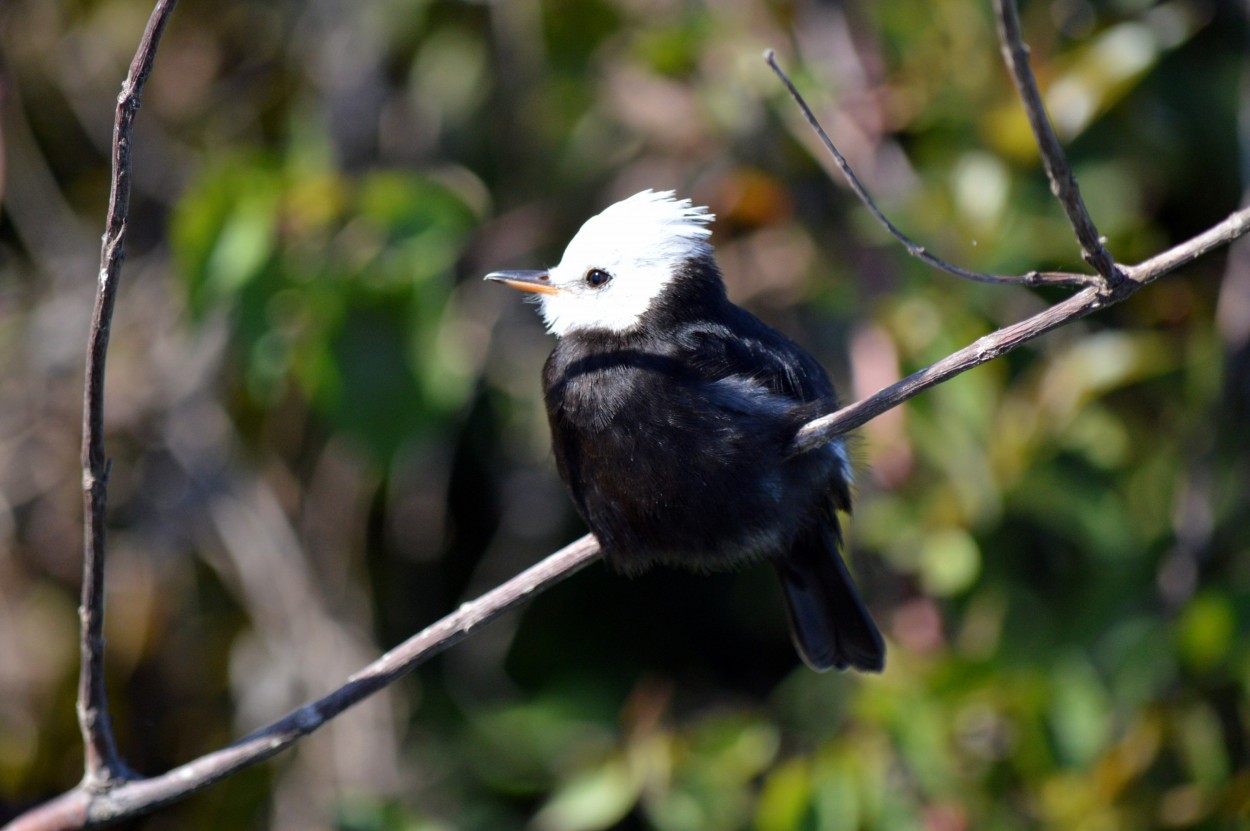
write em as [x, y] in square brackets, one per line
[913, 248]
[110, 791]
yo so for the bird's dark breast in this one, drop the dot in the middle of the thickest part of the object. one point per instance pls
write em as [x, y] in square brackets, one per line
[667, 465]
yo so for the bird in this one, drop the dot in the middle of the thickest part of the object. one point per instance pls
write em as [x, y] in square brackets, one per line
[672, 411]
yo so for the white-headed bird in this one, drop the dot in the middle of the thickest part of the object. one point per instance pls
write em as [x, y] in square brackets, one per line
[672, 412]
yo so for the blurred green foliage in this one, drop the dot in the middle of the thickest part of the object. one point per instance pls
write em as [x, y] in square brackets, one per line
[327, 432]
[334, 284]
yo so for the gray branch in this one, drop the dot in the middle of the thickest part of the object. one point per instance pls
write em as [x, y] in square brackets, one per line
[87, 808]
[110, 792]
[1062, 181]
[102, 763]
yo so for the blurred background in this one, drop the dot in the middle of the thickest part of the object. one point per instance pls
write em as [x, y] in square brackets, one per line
[326, 431]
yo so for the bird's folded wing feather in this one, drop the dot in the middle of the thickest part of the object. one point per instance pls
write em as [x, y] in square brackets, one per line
[759, 353]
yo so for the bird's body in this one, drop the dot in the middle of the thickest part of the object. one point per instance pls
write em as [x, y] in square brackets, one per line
[672, 411]
[676, 445]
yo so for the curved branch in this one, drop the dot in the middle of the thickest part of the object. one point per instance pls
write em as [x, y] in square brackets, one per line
[110, 793]
[86, 808]
[1033, 278]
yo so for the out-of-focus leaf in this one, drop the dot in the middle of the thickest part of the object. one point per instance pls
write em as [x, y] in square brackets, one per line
[785, 797]
[337, 286]
[1093, 77]
[1201, 739]
[594, 799]
[1079, 712]
[950, 561]
[1205, 631]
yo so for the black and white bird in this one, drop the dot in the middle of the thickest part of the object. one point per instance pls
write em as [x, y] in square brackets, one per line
[671, 412]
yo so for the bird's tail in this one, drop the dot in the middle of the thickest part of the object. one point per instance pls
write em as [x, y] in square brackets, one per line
[828, 621]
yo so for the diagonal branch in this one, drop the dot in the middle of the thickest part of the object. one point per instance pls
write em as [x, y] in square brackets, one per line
[81, 808]
[1062, 181]
[110, 793]
[1033, 278]
[102, 763]
[998, 343]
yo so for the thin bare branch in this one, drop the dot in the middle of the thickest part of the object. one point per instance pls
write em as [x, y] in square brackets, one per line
[102, 763]
[1236, 225]
[1062, 181]
[1033, 278]
[110, 793]
[996, 344]
[85, 808]
[66, 812]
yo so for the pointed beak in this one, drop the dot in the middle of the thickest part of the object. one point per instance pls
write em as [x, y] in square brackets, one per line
[536, 281]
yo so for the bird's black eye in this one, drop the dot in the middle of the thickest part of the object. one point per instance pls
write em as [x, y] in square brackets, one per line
[597, 278]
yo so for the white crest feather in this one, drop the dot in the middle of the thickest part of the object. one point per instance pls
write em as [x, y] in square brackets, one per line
[641, 242]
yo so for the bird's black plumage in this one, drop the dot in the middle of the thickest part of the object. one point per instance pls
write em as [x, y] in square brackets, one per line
[672, 412]
[673, 438]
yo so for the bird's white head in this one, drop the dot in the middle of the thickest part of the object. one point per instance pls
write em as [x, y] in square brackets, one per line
[618, 264]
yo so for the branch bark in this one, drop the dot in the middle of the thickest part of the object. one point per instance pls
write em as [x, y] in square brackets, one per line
[102, 764]
[86, 808]
[1062, 181]
[110, 792]
[1033, 278]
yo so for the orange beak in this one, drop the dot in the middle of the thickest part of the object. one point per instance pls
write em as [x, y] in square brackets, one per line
[536, 281]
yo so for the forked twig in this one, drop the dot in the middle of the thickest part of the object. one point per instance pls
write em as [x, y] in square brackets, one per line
[1033, 278]
[110, 793]
[81, 808]
[821, 430]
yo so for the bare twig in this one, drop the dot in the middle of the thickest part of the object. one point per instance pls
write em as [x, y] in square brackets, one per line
[996, 344]
[1033, 278]
[102, 764]
[80, 809]
[821, 430]
[110, 793]
[1062, 181]
[1236, 225]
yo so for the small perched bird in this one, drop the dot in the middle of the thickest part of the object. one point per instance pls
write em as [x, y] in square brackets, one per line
[672, 411]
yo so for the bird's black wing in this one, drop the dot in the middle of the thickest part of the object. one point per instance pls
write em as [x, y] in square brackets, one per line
[829, 622]
[740, 344]
[738, 347]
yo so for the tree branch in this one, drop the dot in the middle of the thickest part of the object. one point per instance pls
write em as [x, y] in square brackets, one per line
[998, 343]
[102, 763]
[1033, 278]
[110, 793]
[81, 808]
[1062, 181]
